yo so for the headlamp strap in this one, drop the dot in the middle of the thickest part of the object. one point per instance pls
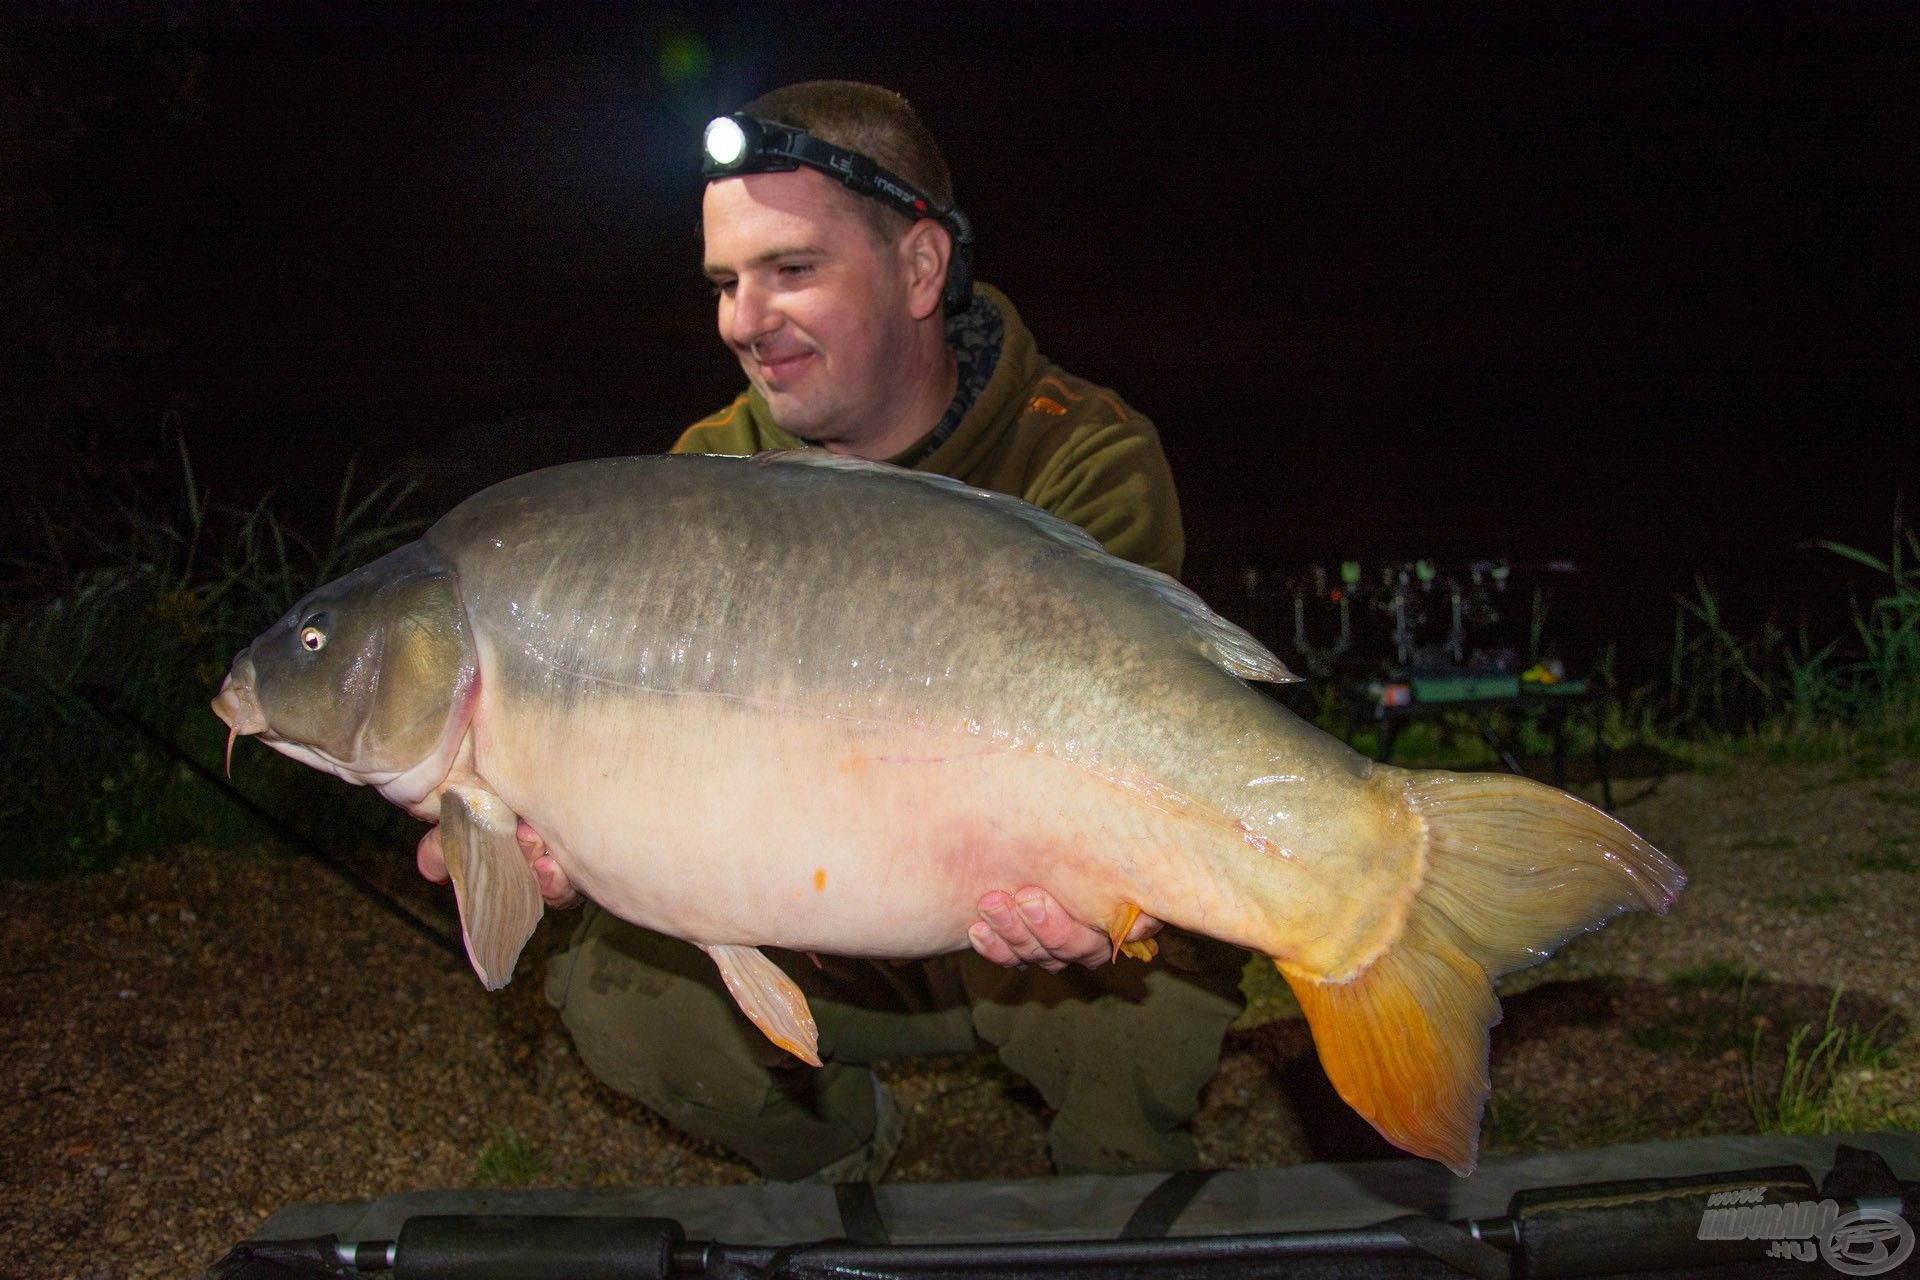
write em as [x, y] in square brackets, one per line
[781, 148]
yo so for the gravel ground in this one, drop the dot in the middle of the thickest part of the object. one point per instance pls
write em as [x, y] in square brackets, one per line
[196, 1042]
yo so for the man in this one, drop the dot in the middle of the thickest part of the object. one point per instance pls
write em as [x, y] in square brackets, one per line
[847, 300]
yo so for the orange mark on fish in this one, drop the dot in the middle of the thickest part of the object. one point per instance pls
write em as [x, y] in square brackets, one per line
[819, 879]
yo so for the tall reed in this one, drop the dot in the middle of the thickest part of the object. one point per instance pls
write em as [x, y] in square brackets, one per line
[1792, 695]
[141, 613]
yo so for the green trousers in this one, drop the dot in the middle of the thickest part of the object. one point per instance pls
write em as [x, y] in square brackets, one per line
[1120, 1053]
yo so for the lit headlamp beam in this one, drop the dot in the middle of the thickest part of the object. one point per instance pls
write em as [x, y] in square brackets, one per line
[725, 141]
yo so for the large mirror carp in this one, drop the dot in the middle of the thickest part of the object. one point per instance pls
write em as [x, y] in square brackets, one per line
[808, 702]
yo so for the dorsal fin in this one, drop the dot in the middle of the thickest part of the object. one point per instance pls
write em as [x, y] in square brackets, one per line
[1226, 644]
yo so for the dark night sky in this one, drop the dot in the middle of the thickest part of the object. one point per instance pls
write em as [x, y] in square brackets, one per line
[1630, 284]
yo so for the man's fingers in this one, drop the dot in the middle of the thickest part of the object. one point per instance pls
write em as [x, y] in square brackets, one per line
[1062, 937]
[432, 864]
[555, 889]
[554, 885]
[1030, 927]
[1009, 922]
[1010, 928]
[992, 946]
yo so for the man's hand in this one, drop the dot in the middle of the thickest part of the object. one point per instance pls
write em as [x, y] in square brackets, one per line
[1029, 927]
[555, 888]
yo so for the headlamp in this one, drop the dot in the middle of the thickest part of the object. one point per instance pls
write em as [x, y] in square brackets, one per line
[741, 144]
[725, 143]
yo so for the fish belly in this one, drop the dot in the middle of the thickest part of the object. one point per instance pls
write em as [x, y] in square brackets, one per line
[725, 822]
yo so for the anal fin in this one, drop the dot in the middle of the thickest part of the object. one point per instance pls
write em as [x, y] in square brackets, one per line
[770, 999]
[499, 897]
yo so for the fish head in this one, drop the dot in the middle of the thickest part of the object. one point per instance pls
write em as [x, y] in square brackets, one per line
[370, 678]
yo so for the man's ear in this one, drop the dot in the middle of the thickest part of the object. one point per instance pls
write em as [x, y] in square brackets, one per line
[924, 254]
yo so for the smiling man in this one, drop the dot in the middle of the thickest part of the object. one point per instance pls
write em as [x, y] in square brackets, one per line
[842, 275]
[838, 333]
[859, 331]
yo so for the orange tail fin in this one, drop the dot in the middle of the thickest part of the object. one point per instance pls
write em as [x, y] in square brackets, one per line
[1514, 869]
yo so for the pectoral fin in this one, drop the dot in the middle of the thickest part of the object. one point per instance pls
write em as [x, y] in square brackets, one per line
[770, 1000]
[499, 898]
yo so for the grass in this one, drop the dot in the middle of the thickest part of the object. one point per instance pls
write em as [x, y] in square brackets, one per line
[1763, 842]
[1814, 902]
[1659, 1037]
[139, 615]
[1703, 1029]
[1892, 858]
[1867, 766]
[1713, 975]
[1775, 693]
[1269, 998]
[1821, 1079]
[509, 1160]
[1629, 1124]
[1508, 1124]
[1727, 696]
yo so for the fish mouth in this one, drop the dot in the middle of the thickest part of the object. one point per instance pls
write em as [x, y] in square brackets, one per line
[237, 706]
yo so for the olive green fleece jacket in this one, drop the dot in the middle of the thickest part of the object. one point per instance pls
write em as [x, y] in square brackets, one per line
[1036, 432]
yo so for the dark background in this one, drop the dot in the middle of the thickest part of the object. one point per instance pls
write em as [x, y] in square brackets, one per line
[1632, 285]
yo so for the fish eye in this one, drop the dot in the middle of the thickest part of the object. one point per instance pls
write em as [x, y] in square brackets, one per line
[312, 638]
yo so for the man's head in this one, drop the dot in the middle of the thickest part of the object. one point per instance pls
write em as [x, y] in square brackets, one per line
[830, 299]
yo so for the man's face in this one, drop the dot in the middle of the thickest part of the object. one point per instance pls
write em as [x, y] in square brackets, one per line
[813, 305]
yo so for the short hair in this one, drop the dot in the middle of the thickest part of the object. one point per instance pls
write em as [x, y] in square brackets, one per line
[876, 122]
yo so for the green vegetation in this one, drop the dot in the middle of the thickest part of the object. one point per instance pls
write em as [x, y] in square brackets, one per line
[1705, 1022]
[1713, 975]
[1659, 1037]
[1892, 858]
[1269, 998]
[1827, 1081]
[1770, 692]
[137, 619]
[1763, 842]
[509, 1160]
[1814, 902]
[1508, 1124]
[1779, 694]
